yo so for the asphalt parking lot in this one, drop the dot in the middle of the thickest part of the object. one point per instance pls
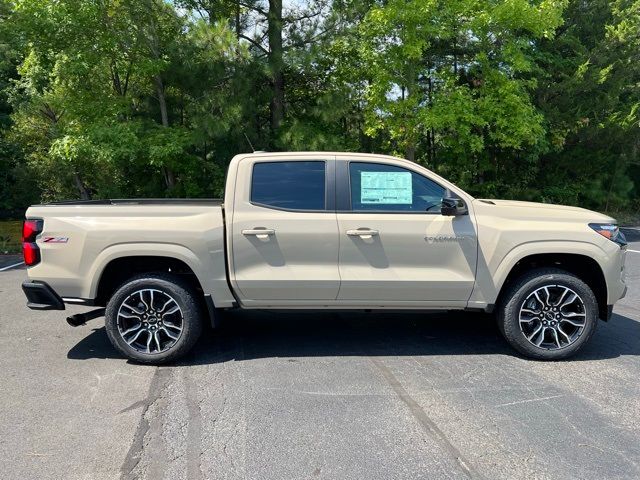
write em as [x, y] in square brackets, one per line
[318, 396]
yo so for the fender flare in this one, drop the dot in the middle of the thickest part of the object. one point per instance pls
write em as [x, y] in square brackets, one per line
[145, 249]
[538, 247]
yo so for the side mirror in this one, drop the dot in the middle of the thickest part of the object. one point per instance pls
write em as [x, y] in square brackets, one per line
[452, 205]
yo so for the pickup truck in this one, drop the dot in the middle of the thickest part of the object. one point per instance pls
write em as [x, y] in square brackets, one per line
[314, 230]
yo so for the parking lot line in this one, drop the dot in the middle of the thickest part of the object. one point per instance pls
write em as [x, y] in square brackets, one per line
[633, 251]
[11, 266]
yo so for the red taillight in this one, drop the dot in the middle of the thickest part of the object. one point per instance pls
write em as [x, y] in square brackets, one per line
[31, 253]
[30, 250]
[30, 230]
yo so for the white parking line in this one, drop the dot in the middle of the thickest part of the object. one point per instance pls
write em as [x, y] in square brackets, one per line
[10, 266]
[633, 251]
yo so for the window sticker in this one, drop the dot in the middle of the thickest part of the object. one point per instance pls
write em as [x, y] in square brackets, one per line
[386, 188]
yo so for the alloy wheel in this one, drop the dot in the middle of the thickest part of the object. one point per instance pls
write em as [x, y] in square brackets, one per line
[552, 317]
[150, 321]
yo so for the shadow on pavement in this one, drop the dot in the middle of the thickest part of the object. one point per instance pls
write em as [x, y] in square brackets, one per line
[94, 345]
[261, 334]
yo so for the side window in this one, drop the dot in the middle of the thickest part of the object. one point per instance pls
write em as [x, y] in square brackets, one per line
[289, 185]
[379, 187]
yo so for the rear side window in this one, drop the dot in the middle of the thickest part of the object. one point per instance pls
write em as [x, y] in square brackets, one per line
[289, 185]
[387, 188]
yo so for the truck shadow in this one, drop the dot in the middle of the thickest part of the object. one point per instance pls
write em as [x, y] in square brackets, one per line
[261, 334]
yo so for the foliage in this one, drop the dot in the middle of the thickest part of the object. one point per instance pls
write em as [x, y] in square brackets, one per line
[530, 99]
[589, 93]
[10, 236]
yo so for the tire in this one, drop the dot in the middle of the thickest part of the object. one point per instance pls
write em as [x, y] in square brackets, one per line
[167, 311]
[536, 302]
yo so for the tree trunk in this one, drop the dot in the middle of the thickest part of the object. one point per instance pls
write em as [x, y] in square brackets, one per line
[162, 101]
[613, 179]
[410, 153]
[238, 25]
[432, 133]
[169, 175]
[82, 189]
[410, 140]
[432, 144]
[276, 65]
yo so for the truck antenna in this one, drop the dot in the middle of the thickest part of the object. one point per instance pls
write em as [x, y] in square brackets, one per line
[249, 141]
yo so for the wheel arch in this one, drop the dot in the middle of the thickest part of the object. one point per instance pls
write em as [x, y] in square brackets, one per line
[118, 270]
[582, 266]
[208, 273]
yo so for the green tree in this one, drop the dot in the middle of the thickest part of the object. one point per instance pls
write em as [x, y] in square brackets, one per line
[531, 99]
[17, 188]
[117, 100]
[449, 82]
[588, 91]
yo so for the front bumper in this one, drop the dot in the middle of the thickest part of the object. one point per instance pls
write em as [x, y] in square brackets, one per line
[40, 296]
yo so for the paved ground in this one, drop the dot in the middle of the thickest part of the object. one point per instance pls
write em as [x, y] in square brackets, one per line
[321, 396]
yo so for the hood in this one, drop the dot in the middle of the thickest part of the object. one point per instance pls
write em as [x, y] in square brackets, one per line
[535, 210]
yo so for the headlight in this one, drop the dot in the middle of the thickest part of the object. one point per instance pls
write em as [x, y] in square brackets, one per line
[610, 231]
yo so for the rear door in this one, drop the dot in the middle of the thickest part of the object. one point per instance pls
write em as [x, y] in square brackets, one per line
[284, 239]
[396, 248]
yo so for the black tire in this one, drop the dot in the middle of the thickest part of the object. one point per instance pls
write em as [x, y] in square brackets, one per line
[522, 289]
[189, 314]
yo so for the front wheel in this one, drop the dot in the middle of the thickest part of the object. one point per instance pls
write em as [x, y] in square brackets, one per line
[153, 318]
[548, 314]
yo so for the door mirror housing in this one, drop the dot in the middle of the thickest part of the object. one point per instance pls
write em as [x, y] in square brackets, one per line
[452, 205]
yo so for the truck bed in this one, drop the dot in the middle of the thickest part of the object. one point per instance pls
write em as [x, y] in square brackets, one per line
[81, 238]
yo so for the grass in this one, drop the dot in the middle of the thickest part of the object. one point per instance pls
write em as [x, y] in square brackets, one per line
[10, 236]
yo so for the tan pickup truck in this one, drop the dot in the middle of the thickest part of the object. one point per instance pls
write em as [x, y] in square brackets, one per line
[320, 230]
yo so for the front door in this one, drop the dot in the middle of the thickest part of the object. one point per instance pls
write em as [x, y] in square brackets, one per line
[284, 231]
[396, 248]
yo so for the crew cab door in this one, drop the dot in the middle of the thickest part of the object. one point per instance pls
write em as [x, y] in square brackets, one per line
[396, 248]
[284, 232]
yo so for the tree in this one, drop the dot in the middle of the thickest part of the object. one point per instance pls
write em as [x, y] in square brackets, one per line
[271, 32]
[449, 80]
[527, 99]
[588, 92]
[18, 188]
[76, 88]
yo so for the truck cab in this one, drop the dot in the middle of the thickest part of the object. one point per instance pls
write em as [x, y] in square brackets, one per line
[347, 230]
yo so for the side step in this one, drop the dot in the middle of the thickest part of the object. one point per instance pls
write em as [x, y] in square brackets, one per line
[82, 318]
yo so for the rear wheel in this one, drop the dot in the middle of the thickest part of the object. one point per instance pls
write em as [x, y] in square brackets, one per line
[154, 318]
[548, 314]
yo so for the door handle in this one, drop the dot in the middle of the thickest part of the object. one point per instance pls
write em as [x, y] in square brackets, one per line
[261, 233]
[364, 233]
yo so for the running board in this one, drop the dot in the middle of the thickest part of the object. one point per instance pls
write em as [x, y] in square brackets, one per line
[82, 318]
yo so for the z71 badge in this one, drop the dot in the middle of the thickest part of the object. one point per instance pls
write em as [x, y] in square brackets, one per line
[55, 239]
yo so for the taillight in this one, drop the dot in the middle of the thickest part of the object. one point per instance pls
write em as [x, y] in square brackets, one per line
[30, 250]
[31, 253]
